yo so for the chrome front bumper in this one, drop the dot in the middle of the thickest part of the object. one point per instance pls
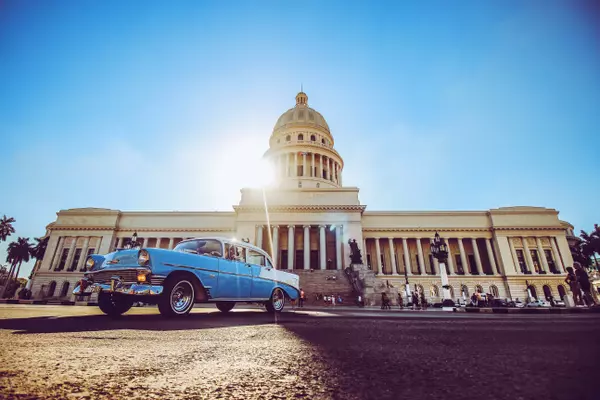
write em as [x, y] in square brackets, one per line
[135, 289]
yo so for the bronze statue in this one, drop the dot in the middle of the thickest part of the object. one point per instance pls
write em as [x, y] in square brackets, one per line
[355, 256]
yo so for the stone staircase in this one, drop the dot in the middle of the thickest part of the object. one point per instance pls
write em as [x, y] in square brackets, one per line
[316, 281]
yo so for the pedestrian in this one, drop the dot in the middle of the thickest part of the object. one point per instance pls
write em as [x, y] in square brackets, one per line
[302, 296]
[333, 300]
[400, 301]
[571, 280]
[415, 300]
[584, 284]
[423, 301]
[383, 300]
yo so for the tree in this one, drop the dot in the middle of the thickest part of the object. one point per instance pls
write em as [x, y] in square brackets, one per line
[6, 228]
[40, 247]
[18, 253]
[590, 244]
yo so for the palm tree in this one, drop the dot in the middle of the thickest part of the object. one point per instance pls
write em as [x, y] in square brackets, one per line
[38, 252]
[590, 244]
[18, 253]
[6, 228]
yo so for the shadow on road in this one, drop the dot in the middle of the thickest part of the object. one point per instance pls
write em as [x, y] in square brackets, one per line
[153, 322]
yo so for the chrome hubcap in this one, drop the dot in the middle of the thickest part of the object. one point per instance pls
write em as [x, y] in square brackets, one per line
[278, 299]
[182, 297]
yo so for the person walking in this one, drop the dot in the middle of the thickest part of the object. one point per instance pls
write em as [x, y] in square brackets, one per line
[302, 297]
[571, 280]
[400, 301]
[584, 284]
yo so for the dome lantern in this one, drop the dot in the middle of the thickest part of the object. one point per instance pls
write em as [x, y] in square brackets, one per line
[301, 99]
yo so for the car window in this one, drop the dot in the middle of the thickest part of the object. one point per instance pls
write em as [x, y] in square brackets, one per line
[210, 247]
[190, 246]
[254, 257]
[235, 252]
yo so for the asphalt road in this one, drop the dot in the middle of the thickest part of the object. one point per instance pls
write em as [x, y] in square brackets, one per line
[67, 352]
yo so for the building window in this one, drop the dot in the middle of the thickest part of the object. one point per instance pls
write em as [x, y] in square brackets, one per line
[300, 170]
[288, 138]
[324, 173]
[323, 141]
[63, 260]
[472, 265]
[536, 261]
[521, 260]
[382, 262]
[368, 260]
[431, 263]
[76, 259]
[458, 263]
[494, 291]
[561, 291]
[65, 289]
[51, 289]
[284, 259]
[551, 264]
[312, 138]
[547, 292]
[300, 137]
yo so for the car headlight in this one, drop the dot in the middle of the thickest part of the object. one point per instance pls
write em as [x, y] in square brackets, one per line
[143, 257]
[89, 264]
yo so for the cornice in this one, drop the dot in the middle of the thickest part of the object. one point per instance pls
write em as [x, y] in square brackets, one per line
[307, 208]
[425, 213]
[440, 230]
[528, 228]
[156, 229]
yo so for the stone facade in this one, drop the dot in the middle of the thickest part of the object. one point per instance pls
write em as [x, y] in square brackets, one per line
[306, 217]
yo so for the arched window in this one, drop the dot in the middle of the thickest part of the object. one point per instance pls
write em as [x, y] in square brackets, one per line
[51, 289]
[65, 289]
[478, 289]
[464, 290]
[300, 137]
[288, 138]
[533, 291]
[561, 291]
[494, 291]
[547, 292]
[323, 141]
[313, 138]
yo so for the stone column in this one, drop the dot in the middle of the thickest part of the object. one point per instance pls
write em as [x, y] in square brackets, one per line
[477, 256]
[171, 242]
[287, 164]
[528, 258]
[281, 173]
[392, 256]
[275, 254]
[145, 243]
[364, 252]
[451, 269]
[542, 255]
[378, 251]
[306, 246]
[556, 254]
[84, 250]
[420, 257]
[322, 248]
[259, 236]
[71, 253]
[119, 243]
[463, 257]
[57, 254]
[291, 252]
[338, 247]
[158, 240]
[304, 164]
[488, 246]
[320, 174]
[406, 257]
[312, 166]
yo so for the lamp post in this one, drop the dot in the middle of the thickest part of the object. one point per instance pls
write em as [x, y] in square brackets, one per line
[439, 250]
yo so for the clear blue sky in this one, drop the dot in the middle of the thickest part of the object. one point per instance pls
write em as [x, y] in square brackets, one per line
[141, 105]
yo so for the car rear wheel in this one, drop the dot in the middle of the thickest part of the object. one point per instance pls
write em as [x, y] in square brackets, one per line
[113, 304]
[225, 306]
[276, 302]
[177, 298]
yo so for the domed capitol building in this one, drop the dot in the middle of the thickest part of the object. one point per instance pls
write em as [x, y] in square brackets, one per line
[306, 218]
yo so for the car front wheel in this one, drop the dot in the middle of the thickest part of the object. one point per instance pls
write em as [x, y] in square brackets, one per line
[225, 306]
[113, 304]
[177, 298]
[276, 302]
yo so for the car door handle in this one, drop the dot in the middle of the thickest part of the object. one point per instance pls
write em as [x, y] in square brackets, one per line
[248, 265]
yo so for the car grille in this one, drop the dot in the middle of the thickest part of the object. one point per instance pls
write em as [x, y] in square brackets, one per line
[126, 275]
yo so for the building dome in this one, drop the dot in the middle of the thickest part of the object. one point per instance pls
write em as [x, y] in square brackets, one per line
[302, 114]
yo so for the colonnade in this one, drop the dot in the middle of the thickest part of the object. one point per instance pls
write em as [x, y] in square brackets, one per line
[292, 232]
[401, 258]
[313, 165]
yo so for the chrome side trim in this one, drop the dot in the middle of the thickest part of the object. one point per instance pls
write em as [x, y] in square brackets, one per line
[132, 289]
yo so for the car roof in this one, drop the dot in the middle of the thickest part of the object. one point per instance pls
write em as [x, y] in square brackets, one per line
[234, 241]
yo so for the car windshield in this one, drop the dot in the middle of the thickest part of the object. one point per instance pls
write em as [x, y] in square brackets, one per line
[209, 247]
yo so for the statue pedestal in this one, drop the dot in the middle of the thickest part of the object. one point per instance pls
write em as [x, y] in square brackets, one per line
[372, 287]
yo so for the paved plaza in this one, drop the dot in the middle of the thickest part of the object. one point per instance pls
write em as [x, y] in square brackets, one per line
[58, 352]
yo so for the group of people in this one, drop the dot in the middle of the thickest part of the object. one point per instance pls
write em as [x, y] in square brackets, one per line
[417, 301]
[579, 283]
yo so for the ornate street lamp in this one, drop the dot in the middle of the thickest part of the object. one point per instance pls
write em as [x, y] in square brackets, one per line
[439, 250]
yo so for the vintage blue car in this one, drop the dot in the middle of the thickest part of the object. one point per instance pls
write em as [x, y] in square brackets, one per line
[201, 270]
